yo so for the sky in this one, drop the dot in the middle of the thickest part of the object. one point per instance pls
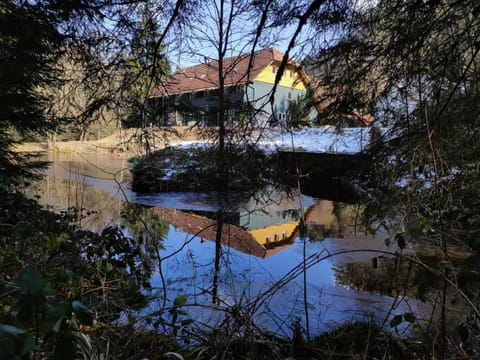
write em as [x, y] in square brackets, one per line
[193, 52]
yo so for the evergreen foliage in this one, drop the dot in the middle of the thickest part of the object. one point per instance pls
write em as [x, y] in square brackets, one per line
[28, 51]
[146, 67]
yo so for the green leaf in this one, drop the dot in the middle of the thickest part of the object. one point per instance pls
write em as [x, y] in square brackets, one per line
[180, 300]
[28, 344]
[26, 307]
[11, 330]
[84, 314]
[62, 238]
[15, 341]
[30, 281]
[417, 329]
[8, 288]
[56, 311]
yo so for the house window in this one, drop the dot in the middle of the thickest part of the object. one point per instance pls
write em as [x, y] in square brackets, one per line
[291, 74]
[284, 236]
[267, 239]
[289, 96]
[275, 237]
[274, 69]
[199, 94]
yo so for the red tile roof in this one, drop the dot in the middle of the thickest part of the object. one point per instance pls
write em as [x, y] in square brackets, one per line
[205, 76]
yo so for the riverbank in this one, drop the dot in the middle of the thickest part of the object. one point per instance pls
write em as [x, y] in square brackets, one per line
[123, 143]
[133, 142]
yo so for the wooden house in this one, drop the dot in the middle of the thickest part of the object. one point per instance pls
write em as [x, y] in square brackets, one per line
[192, 94]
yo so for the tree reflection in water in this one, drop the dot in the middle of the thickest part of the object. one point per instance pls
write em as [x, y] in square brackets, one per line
[183, 265]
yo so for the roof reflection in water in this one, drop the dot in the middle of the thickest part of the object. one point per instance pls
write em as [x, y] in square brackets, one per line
[258, 232]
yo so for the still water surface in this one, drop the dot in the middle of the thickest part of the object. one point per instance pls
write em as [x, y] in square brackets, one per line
[334, 294]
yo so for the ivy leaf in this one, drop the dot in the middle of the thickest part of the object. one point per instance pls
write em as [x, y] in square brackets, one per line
[30, 281]
[15, 342]
[28, 344]
[56, 311]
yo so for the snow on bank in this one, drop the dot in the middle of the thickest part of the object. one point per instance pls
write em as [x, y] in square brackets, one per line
[320, 140]
[314, 140]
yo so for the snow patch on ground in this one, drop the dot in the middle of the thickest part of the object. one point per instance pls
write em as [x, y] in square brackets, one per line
[320, 140]
[315, 140]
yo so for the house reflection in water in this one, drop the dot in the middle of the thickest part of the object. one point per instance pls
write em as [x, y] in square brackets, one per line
[259, 233]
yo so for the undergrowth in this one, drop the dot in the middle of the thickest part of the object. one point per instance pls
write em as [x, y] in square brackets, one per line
[195, 169]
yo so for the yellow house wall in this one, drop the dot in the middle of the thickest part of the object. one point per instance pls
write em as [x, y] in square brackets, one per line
[261, 234]
[268, 76]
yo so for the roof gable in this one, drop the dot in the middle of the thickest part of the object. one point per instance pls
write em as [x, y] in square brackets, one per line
[205, 76]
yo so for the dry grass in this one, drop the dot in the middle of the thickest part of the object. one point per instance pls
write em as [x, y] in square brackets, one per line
[125, 142]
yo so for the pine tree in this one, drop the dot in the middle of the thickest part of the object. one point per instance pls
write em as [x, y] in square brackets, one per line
[28, 43]
[146, 66]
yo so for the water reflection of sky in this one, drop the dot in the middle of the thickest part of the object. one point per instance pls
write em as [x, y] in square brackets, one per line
[243, 278]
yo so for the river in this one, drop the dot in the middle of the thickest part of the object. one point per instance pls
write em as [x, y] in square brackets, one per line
[343, 281]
